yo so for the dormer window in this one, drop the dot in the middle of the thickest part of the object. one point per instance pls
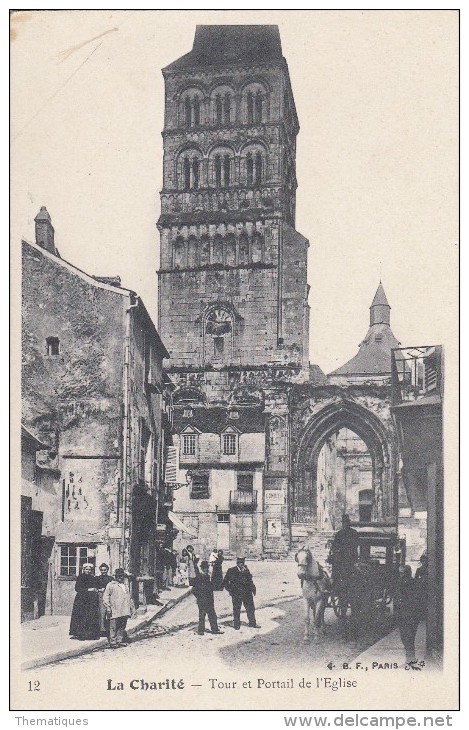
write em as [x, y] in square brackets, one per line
[233, 414]
[52, 346]
[229, 444]
[189, 444]
[188, 413]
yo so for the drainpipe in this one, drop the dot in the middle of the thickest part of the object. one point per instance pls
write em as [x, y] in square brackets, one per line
[126, 429]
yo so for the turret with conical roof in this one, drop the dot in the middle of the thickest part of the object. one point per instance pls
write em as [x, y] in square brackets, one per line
[380, 311]
[374, 355]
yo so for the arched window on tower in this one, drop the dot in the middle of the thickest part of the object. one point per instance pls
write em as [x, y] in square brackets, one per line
[254, 168]
[255, 103]
[257, 168]
[196, 111]
[218, 171]
[221, 167]
[222, 105]
[187, 111]
[189, 170]
[227, 109]
[219, 109]
[250, 107]
[191, 108]
[258, 106]
[195, 173]
[187, 173]
[250, 168]
[226, 171]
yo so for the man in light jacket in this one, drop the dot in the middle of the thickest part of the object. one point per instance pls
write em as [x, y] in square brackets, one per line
[118, 604]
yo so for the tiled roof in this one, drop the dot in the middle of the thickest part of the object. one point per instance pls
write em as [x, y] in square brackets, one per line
[219, 45]
[215, 419]
[374, 355]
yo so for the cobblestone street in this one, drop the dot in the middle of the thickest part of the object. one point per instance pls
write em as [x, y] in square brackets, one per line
[171, 648]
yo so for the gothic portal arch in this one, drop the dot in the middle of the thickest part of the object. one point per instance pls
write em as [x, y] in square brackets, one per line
[329, 420]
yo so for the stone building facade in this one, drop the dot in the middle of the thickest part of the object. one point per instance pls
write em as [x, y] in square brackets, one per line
[233, 295]
[273, 450]
[94, 408]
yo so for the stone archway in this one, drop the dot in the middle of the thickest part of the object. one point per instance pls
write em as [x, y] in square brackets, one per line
[328, 420]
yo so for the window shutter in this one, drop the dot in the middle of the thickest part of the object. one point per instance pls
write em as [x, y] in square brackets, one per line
[171, 465]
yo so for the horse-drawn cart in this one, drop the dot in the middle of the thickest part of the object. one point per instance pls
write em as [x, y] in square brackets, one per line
[361, 588]
[371, 584]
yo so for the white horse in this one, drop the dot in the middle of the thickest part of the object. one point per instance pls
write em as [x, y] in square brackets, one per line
[316, 586]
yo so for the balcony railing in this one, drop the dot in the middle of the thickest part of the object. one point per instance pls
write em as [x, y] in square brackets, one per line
[416, 373]
[243, 501]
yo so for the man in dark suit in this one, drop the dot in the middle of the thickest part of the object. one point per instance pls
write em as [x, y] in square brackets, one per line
[239, 584]
[203, 591]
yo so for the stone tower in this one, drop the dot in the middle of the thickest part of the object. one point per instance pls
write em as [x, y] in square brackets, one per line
[233, 293]
[232, 279]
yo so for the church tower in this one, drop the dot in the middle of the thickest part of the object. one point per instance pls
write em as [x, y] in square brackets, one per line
[232, 278]
[233, 293]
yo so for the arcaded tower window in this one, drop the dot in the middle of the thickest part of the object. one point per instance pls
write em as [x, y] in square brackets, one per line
[254, 107]
[254, 104]
[189, 168]
[222, 171]
[254, 168]
[221, 167]
[223, 108]
[222, 105]
[191, 109]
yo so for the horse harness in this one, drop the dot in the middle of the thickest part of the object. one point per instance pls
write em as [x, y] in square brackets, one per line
[314, 579]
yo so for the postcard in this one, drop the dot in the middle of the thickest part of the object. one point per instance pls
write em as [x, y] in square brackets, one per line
[235, 354]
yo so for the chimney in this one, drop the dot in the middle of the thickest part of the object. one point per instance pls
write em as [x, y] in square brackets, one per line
[45, 231]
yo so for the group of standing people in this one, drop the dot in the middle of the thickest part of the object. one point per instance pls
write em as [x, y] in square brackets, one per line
[186, 568]
[102, 605]
[237, 581]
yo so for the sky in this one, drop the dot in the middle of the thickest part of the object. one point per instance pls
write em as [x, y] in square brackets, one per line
[377, 156]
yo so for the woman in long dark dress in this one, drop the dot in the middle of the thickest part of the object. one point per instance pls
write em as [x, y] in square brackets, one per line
[217, 572]
[84, 623]
[101, 582]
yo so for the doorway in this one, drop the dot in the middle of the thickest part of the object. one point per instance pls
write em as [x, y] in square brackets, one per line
[223, 531]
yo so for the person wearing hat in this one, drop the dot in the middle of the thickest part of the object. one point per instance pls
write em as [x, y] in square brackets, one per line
[240, 585]
[344, 553]
[118, 604]
[203, 591]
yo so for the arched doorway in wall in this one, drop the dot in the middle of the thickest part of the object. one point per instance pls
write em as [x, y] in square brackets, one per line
[344, 464]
